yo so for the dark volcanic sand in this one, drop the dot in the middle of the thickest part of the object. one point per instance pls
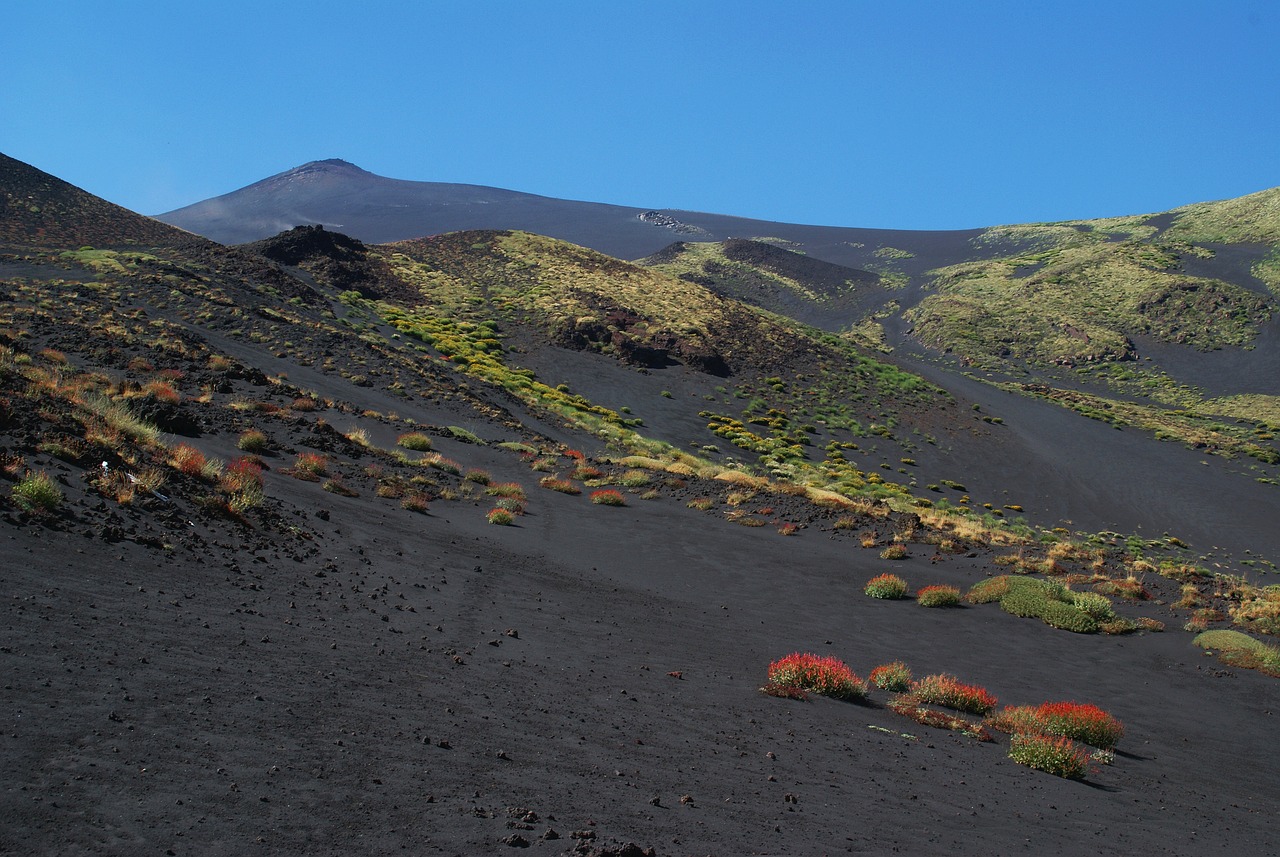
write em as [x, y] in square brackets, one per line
[371, 699]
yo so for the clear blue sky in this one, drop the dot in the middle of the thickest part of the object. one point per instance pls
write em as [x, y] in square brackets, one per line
[892, 114]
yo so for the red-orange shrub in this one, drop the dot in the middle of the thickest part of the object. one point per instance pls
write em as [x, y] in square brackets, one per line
[824, 675]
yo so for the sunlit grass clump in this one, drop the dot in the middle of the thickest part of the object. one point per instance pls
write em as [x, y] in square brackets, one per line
[37, 493]
[416, 441]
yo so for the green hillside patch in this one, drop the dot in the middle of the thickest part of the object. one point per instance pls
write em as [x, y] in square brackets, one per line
[1080, 303]
[1186, 426]
[1247, 219]
[1263, 410]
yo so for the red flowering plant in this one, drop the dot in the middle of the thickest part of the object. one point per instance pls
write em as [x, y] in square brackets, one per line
[895, 676]
[1083, 722]
[820, 674]
[949, 692]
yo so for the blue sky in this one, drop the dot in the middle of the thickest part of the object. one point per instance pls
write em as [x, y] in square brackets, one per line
[887, 114]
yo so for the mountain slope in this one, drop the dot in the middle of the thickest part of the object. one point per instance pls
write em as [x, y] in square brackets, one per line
[255, 595]
[374, 209]
[41, 210]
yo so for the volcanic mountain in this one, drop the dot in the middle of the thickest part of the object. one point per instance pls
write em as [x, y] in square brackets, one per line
[342, 197]
[483, 539]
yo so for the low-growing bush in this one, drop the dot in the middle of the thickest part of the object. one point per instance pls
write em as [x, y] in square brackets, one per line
[1260, 612]
[1055, 755]
[309, 466]
[414, 440]
[823, 675]
[989, 590]
[439, 462]
[415, 501]
[506, 489]
[1083, 722]
[894, 676]
[938, 596]
[459, 433]
[1095, 604]
[607, 497]
[950, 692]
[634, 479]
[888, 586]
[479, 477]
[511, 504]
[242, 479]
[895, 551]
[1016, 720]
[700, 503]
[189, 460]
[564, 486]
[1130, 588]
[500, 517]
[1065, 617]
[37, 493]
[252, 440]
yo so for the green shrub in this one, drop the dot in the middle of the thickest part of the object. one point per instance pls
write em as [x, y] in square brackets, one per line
[1055, 755]
[1083, 722]
[989, 590]
[894, 676]
[888, 586]
[894, 552]
[463, 435]
[500, 517]
[938, 596]
[1095, 604]
[564, 486]
[1067, 618]
[416, 441]
[38, 493]
[607, 497]
[252, 440]
[506, 489]
[1026, 602]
